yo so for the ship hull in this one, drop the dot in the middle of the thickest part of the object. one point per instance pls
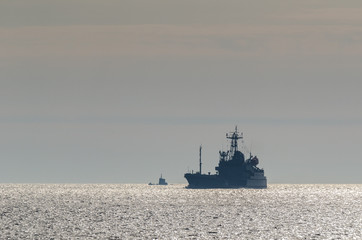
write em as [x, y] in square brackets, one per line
[256, 181]
[204, 181]
[199, 181]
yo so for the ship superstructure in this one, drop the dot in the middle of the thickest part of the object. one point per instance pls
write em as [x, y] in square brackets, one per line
[233, 170]
[162, 181]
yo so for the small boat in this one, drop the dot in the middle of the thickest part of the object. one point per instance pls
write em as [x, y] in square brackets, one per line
[161, 181]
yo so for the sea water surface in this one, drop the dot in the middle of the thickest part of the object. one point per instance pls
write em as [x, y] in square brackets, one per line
[139, 211]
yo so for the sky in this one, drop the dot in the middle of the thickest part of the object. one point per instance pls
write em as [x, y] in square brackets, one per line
[122, 91]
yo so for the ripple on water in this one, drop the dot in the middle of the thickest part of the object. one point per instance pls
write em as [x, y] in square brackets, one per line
[136, 211]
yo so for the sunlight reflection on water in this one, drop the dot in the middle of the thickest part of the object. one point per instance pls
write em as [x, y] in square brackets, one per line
[136, 211]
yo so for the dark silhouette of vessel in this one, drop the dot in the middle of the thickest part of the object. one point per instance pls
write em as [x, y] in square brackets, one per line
[161, 181]
[233, 171]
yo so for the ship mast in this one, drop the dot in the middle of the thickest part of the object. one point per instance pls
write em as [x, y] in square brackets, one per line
[200, 158]
[234, 140]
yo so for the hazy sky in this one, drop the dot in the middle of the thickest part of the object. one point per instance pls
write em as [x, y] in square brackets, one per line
[122, 91]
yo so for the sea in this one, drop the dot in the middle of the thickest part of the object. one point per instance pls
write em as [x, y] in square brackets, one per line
[140, 211]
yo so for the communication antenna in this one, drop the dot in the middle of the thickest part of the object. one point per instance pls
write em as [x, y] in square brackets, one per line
[251, 145]
[200, 158]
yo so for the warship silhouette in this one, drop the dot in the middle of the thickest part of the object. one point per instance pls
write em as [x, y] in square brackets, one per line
[233, 171]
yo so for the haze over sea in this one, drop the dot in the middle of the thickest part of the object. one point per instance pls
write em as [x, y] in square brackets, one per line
[139, 211]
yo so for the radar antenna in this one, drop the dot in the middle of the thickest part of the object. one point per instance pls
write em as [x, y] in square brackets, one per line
[234, 136]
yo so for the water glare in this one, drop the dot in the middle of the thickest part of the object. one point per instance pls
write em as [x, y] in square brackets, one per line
[136, 211]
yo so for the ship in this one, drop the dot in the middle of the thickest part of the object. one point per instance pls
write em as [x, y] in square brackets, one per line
[161, 181]
[233, 171]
